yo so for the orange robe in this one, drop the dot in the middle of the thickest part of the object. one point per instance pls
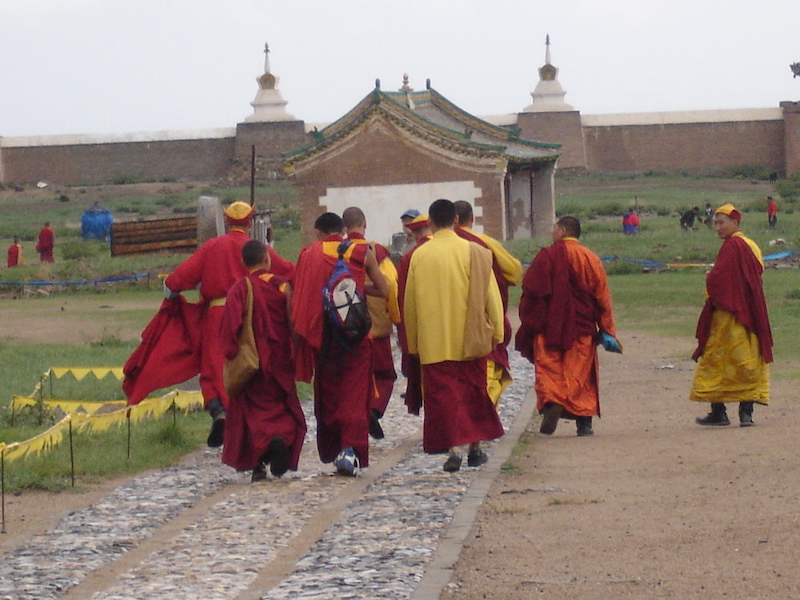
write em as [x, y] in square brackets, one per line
[343, 385]
[45, 245]
[565, 299]
[14, 255]
[268, 405]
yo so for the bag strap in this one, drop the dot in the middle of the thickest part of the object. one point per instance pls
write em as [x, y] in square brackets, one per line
[248, 315]
[343, 248]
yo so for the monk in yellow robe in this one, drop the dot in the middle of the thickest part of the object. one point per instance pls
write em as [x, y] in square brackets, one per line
[734, 336]
[565, 311]
[453, 318]
[507, 271]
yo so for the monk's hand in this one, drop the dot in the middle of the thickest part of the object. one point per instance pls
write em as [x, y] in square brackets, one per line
[169, 294]
[610, 343]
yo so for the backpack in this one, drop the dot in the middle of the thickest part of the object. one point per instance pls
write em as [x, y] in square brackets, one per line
[345, 308]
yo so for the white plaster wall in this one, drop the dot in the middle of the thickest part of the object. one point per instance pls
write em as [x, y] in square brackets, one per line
[383, 205]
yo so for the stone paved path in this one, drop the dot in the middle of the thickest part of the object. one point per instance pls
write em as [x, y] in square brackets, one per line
[200, 530]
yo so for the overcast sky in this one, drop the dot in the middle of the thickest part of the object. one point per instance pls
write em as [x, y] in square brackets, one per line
[113, 66]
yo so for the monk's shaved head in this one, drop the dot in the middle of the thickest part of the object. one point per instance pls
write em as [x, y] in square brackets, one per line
[571, 225]
[329, 223]
[354, 217]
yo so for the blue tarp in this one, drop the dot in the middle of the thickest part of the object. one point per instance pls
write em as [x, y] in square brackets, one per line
[96, 224]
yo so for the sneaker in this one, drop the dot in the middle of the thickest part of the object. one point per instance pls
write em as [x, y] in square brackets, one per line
[217, 433]
[346, 463]
[746, 420]
[278, 456]
[453, 463]
[259, 473]
[375, 429]
[476, 458]
[584, 426]
[550, 416]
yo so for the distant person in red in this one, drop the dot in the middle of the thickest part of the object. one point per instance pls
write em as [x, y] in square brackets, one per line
[265, 422]
[15, 253]
[47, 241]
[630, 223]
[772, 212]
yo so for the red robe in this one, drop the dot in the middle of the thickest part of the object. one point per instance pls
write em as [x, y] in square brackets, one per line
[410, 366]
[382, 358]
[215, 267]
[268, 405]
[47, 241]
[13, 255]
[735, 285]
[500, 352]
[343, 384]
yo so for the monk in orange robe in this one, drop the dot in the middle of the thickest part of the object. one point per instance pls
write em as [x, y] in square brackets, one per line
[215, 267]
[385, 313]
[565, 311]
[265, 422]
[343, 384]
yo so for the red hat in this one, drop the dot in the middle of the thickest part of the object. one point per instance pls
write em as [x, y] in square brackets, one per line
[419, 222]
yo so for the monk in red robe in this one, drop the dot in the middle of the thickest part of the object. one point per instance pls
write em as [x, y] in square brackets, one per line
[46, 243]
[734, 337]
[507, 271]
[409, 363]
[14, 257]
[187, 330]
[343, 384]
[265, 422]
[453, 317]
[565, 311]
[384, 313]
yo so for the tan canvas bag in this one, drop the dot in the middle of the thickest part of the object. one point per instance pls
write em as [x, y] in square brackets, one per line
[241, 368]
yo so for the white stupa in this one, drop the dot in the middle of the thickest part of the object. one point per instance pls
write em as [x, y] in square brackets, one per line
[548, 95]
[269, 105]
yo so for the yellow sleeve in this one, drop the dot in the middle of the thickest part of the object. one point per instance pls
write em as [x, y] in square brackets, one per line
[392, 305]
[410, 310]
[509, 265]
[494, 308]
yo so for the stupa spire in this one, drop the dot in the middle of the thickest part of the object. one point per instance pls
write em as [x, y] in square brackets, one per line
[548, 95]
[268, 105]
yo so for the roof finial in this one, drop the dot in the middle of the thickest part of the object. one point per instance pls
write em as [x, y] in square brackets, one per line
[406, 88]
[266, 58]
[547, 50]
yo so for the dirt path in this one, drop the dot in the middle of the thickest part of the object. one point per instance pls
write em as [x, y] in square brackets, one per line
[652, 506]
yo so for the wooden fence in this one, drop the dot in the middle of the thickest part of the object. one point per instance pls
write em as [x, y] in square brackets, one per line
[141, 237]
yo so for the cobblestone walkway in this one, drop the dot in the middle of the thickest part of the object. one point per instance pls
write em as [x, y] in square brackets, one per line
[200, 530]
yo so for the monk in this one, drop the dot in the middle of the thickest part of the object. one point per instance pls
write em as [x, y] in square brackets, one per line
[565, 311]
[733, 333]
[420, 230]
[46, 243]
[187, 335]
[385, 313]
[14, 256]
[453, 317]
[507, 272]
[265, 422]
[343, 383]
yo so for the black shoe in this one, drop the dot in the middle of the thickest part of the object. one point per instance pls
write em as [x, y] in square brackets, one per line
[375, 429]
[278, 456]
[550, 416]
[584, 426]
[717, 417]
[453, 463]
[217, 433]
[259, 473]
[476, 458]
[746, 414]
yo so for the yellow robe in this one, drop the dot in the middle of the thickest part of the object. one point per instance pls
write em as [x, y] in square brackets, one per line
[435, 303]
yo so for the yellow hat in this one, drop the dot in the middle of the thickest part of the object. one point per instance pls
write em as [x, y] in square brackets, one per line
[730, 210]
[239, 213]
[419, 222]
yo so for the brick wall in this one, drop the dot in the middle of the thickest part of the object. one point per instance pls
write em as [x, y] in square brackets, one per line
[685, 146]
[556, 127]
[105, 162]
